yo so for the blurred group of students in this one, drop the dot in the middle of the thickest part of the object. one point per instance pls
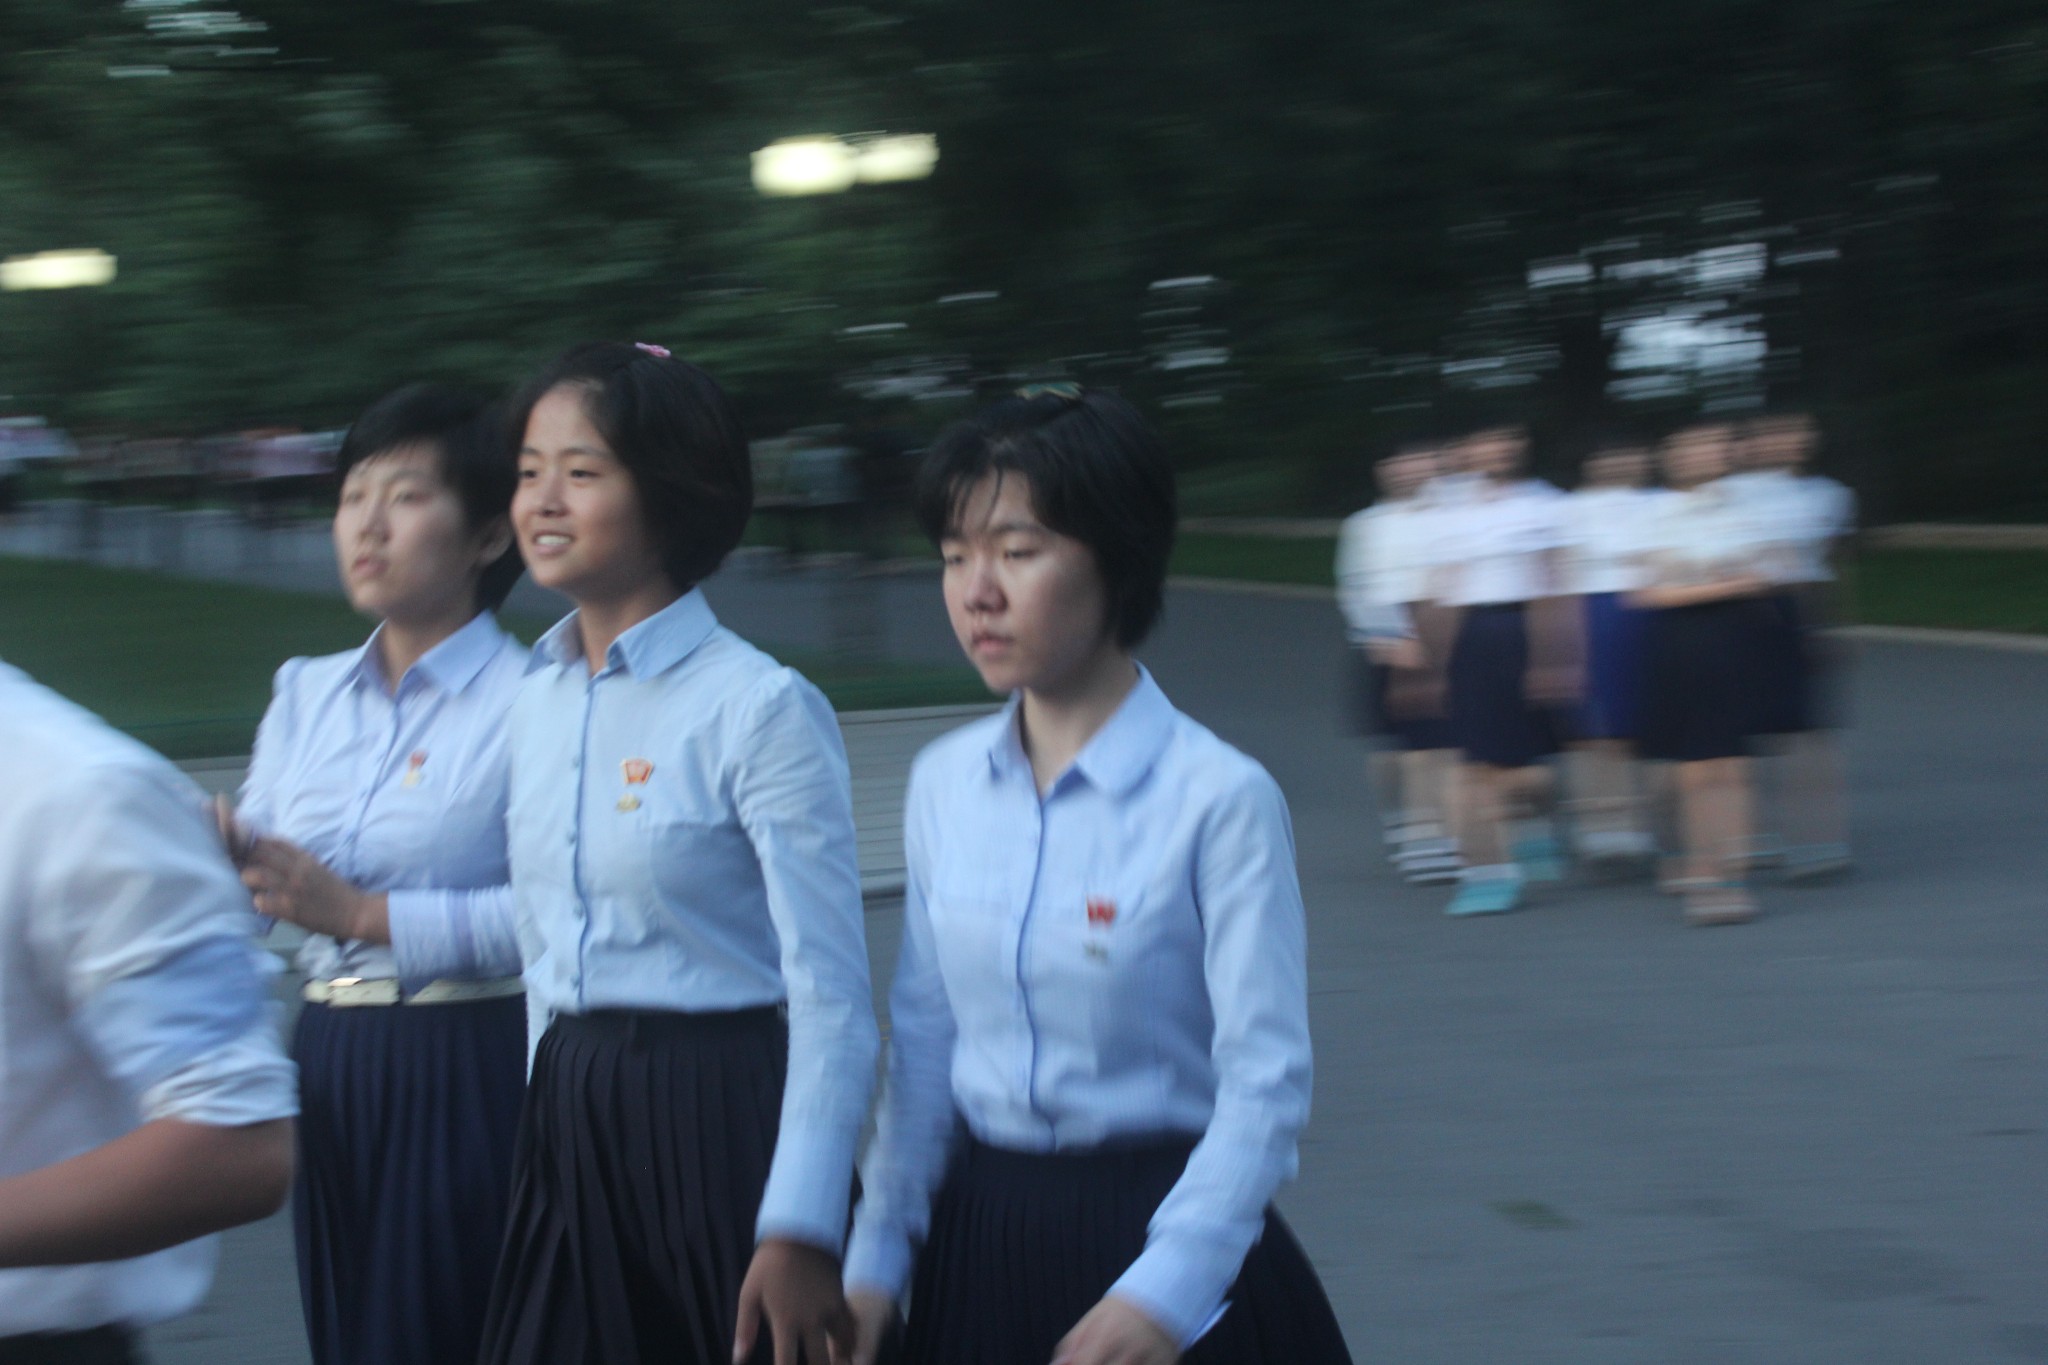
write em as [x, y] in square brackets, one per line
[1634, 675]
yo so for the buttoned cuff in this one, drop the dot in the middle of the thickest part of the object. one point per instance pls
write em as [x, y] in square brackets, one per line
[1179, 1283]
[810, 1186]
[878, 1258]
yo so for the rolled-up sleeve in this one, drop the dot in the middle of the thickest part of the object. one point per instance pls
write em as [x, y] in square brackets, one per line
[1255, 962]
[791, 789]
[147, 926]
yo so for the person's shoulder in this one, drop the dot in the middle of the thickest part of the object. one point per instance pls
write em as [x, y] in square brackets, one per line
[1204, 768]
[306, 675]
[959, 749]
[53, 749]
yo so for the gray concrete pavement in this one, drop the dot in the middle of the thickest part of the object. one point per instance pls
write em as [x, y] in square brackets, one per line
[1584, 1133]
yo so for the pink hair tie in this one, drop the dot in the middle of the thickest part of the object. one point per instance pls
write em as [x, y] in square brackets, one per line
[659, 352]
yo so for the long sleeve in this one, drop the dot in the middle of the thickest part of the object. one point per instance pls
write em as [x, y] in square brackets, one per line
[917, 1127]
[256, 805]
[791, 790]
[464, 933]
[1255, 963]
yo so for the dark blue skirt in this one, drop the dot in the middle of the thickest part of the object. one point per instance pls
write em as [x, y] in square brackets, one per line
[1022, 1245]
[405, 1163]
[1784, 675]
[643, 1153]
[1614, 667]
[1374, 717]
[1702, 681]
[1490, 712]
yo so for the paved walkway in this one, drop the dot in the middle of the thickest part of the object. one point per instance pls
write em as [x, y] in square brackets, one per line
[1583, 1133]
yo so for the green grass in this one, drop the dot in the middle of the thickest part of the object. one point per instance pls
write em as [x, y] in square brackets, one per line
[2005, 590]
[1258, 559]
[187, 666]
[2001, 590]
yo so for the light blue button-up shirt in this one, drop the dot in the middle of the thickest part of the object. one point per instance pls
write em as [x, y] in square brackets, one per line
[1121, 957]
[130, 988]
[403, 791]
[682, 839]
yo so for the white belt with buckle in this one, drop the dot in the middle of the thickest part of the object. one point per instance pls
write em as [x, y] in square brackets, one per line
[345, 992]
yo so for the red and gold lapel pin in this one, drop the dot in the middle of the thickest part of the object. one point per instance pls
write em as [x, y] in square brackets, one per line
[636, 772]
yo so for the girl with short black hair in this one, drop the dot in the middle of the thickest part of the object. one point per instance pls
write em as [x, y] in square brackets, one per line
[1103, 969]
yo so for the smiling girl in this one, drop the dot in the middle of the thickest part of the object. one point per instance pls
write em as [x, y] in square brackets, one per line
[1103, 964]
[688, 905]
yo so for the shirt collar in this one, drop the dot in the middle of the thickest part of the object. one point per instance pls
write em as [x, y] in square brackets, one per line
[645, 649]
[451, 665]
[1119, 754]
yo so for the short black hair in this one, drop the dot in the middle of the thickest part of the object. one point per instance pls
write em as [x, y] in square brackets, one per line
[1097, 472]
[676, 433]
[466, 432]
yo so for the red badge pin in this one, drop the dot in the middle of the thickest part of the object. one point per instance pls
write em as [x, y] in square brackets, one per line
[414, 761]
[1101, 912]
[636, 771]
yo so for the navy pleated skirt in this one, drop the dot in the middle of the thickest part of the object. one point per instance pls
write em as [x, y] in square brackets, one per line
[643, 1152]
[1490, 712]
[1703, 681]
[408, 1118]
[1614, 667]
[1784, 675]
[1022, 1245]
[1374, 716]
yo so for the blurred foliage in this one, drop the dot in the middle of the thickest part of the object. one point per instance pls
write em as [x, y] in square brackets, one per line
[312, 201]
[187, 666]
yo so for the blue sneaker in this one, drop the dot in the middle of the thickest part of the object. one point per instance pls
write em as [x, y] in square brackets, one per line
[1540, 857]
[1486, 896]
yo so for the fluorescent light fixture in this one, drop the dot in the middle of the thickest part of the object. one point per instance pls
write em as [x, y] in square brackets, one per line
[57, 270]
[821, 163]
[804, 165]
[894, 157]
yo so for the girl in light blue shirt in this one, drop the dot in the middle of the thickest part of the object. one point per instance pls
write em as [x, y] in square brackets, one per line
[688, 909]
[374, 817]
[1099, 1057]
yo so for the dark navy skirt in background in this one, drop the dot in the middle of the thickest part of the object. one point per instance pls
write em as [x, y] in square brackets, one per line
[1614, 667]
[1488, 693]
[1374, 717]
[1784, 674]
[1023, 1244]
[405, 1164]
[1703, 681]
[643, 1153]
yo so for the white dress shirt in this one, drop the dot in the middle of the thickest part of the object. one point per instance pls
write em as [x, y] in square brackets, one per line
[131, 987]
[1383, 567]
[682, 839]
[401, 791]
[1497, 544]
[1822, 512]
[1709, 534]
[1122, 957]
[1605, 530]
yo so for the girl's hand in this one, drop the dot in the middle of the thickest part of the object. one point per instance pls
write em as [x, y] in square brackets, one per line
[795, 1288]
[235, 836]
[1115, 1332]
[290, 884]
[874, 1314]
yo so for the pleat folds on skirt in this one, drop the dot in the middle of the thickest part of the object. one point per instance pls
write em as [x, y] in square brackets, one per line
[405, 1168]
[1022, 1245]
[643, 1153]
